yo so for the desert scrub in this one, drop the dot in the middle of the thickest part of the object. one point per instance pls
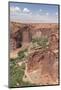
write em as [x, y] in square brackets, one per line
[41, 42]
[22, 54]
[16, 74]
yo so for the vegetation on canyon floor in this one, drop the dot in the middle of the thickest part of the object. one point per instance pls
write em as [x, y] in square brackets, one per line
[16, 72]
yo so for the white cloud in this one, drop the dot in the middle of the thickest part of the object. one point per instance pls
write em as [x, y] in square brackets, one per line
[40, 10]
[15, 9]
[30, 13]
[47, 14]
[26, 10]
[56, 13]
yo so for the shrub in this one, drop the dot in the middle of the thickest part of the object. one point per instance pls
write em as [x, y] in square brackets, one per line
[16, 74]
[21, 54]
[41, 41]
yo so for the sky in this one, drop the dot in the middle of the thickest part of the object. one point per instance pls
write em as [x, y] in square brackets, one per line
[33, 13]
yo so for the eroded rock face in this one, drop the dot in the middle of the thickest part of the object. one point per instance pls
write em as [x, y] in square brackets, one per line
[42, 67]
[53, 41]
[20, 37]
[26, 35]
[15, 40]
[46, 58]
[23, 33]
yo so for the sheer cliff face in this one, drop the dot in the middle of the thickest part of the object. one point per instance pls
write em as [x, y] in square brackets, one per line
[20, 36]
[22, 33]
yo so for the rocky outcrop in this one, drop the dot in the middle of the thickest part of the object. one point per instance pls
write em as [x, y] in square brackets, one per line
[42, 68]
[22, 33]
[42, 64]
